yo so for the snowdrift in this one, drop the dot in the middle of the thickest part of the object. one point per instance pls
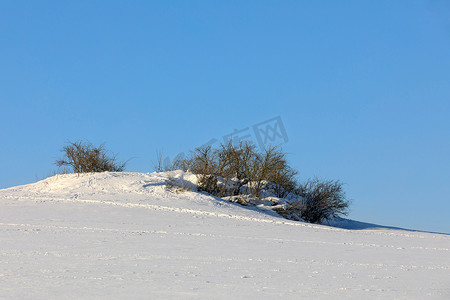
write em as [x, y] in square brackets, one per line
[126, 235]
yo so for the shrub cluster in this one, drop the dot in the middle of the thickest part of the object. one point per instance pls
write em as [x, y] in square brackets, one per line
[238, 171]
[83, 157]
[322, 200]
[233, 170]
[238, 165]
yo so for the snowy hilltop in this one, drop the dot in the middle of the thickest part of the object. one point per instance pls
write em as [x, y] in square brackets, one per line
[154, 236]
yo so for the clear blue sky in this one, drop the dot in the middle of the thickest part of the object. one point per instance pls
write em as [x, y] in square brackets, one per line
[362, 88]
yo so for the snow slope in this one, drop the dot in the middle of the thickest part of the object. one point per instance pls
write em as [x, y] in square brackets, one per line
[125, 236]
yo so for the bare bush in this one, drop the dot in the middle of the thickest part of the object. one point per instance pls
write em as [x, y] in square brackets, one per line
[270, 166]
[234, 165]
[322, 200]
[284, 180]
[177, 163]
[158, 164]
[83, 157]
[240, 164]
[204, 163]
[242, 173]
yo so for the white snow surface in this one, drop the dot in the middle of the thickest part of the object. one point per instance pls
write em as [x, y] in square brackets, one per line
[126, 236]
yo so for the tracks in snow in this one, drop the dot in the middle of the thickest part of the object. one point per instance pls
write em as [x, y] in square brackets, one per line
[267, 219]
[168, 209]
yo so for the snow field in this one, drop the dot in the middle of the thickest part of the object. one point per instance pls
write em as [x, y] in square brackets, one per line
[124, 235]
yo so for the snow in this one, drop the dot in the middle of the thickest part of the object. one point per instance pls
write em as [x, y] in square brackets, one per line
[126, 236]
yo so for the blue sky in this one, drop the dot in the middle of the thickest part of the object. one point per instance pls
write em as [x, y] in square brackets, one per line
[362, 89]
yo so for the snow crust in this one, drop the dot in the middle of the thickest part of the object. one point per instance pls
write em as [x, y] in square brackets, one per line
[126, 236]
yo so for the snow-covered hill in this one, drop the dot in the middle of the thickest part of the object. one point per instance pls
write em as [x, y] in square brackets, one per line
[126, 236]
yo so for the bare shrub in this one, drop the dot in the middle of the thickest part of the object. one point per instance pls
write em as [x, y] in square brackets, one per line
[322, 200]
[235, 160]
[177, 164]
[204, 161]
[164, 165]
[243, 175]
[204, 164]
[284, 180]
[83, 157]
[271, 166]
[240, 164]
[158, 164]
[234, 165]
